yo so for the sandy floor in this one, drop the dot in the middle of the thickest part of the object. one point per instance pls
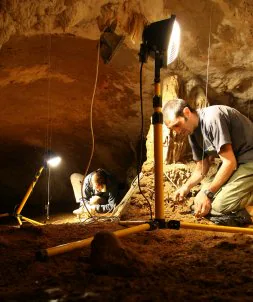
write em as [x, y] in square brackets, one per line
[152, 265]
[159, 265]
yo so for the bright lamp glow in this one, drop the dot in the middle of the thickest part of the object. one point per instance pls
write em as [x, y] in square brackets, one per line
[174, 43]
[161, 38]
[54, 161]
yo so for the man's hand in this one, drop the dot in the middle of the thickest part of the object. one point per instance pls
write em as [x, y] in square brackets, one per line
[94, 200]
[91, 209]
[202, 204]
[181, 193]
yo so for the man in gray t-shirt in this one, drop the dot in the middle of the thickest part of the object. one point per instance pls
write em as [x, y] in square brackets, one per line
[220, 125]
[219, 131]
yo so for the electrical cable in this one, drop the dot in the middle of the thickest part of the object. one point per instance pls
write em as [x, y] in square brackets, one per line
[102, 218]
[95, 219]
[91, 128]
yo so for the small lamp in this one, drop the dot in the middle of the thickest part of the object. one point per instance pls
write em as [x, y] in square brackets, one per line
[161, 41]
[49, 160]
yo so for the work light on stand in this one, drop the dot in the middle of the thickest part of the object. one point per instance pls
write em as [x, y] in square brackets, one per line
[50, 160]
[161, 41]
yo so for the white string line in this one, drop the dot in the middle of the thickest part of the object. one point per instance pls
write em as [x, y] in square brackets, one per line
[91, 128]
[91, 112]
[49, 109]
[208, 56]
[207, 81]
[49, 120]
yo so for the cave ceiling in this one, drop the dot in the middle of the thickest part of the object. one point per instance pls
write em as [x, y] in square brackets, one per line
[48, 63]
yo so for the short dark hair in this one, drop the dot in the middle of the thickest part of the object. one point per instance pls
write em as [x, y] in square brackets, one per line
[177, 106]
[100, 177]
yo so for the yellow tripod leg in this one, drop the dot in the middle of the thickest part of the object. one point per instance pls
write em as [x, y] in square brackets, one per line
[29, 220]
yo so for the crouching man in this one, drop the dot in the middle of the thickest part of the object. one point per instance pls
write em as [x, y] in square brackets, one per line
[223, 132]
[97, 193]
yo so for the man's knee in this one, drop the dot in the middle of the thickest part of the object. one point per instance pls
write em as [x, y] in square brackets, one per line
[75, 177]
[226, 208]
[220, 208]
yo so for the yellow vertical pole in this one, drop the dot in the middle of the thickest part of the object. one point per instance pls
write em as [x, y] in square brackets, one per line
[158, 154]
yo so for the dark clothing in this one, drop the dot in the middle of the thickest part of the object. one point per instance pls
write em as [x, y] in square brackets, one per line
[220, 125]
[110, 198]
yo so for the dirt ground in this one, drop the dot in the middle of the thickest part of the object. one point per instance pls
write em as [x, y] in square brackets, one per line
[153, 265]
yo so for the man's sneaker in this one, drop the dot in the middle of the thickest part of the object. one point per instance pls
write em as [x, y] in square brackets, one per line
[80, 211]
[80, 200]
[235, 219]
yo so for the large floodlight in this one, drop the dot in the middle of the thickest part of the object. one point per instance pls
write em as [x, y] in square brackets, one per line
[163, 38]
[161, 41]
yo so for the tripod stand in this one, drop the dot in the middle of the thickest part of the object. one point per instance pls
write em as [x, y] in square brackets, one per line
[17, 212]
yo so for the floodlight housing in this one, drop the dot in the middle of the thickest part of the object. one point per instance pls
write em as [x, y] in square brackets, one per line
[163, 38]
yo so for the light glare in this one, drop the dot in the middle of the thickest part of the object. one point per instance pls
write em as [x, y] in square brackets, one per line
[54, 161]
[174, 43]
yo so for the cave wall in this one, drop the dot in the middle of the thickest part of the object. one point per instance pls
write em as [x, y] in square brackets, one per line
[47, 85]
[48, 63]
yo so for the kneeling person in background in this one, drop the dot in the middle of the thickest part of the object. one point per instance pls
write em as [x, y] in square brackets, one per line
[99, 193]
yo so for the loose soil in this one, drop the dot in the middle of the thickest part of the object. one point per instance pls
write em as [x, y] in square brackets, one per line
[154, 265]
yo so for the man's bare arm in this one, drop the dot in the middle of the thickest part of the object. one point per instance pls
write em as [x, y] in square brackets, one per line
[198, 174]
[228, 166]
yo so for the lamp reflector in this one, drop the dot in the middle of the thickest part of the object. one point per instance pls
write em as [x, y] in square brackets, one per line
[161, 38]
[54, 161]
[174, 43]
